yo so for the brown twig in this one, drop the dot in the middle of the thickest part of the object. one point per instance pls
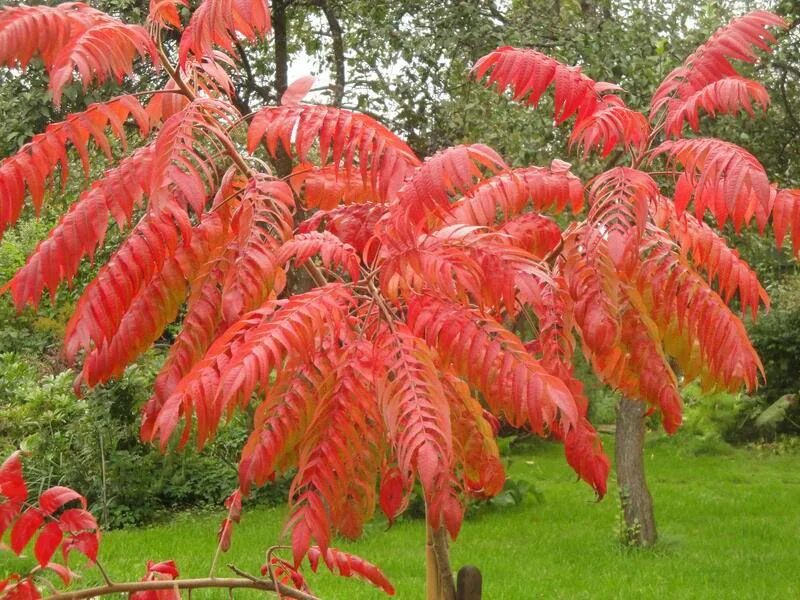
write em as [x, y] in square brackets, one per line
[228, 583]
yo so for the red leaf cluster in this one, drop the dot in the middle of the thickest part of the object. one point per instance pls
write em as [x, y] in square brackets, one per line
[72, 36]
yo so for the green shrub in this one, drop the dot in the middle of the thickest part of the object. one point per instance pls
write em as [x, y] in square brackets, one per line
[92, 444]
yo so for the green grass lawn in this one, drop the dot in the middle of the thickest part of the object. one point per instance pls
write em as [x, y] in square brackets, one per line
[729, 526]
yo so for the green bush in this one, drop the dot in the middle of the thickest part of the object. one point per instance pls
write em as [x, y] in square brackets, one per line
[776, 337]
[92, 445]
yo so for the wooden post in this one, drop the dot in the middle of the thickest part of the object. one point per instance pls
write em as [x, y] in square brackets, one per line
[469, 584]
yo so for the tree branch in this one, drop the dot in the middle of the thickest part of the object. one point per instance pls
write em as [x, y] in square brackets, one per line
[228, 583]
[338, 50]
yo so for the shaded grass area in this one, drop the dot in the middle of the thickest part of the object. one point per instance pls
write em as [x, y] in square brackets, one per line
[729, 526]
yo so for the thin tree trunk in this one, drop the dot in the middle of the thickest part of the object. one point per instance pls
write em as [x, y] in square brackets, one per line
[637, 503]
[440, 584]
[280, 31]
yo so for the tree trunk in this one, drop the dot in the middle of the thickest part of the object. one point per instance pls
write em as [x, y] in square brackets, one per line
[637, 504]
[283, 162]
[439, 576]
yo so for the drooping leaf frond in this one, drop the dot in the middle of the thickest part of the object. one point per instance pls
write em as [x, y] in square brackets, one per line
[283, 415]
[528, 73]
[720, 177]
[349, 565]
[647, 374]
[682, 302]
[105, 300]
[351, 141]
[509, 194]
[31, 167]
[446, 175]
[786, 217]
[354, 224]
[738, 40]
[417, 417]
[710, 252]
[328, 187]
[72, 36]
[338, 458]
[254, 272]
[429, 263]
[200, 327]
[727, 96]
[333, 252]
[219, 22]
[245, 355]
[82, 230]
[185, 154]
[610, 125]
[534, 233]
[602, 121]
[141, 322]
[620, 199]
[620, 339]
[474, 446]
[594, 286]
[494, 361]
[105, 50]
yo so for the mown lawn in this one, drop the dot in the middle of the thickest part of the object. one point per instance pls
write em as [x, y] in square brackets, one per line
[729, 524]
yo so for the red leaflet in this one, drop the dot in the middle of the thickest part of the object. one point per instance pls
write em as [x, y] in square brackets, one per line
[47, 543]
[393, 493]
[25, 528]
[297, 90]
[162, 571]
[23, 589]
[285, 573]
[87, 543]
[56, 497]
[786, 217]
[12, 482]
[165, 12]
[74, 520]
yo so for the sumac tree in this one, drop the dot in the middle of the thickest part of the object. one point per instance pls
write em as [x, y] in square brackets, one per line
[650, 280]
[362, 303]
